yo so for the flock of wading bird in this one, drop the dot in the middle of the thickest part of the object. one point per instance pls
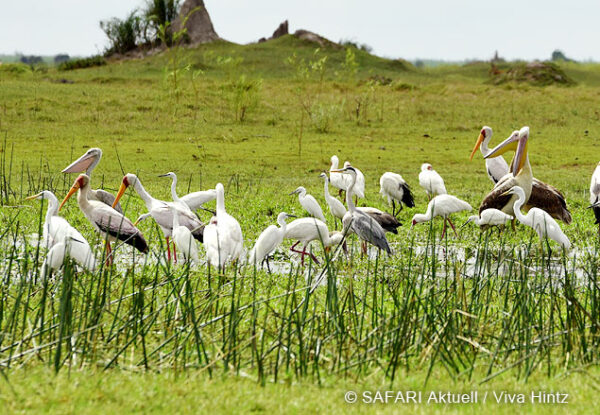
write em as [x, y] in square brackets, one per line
[514, 188]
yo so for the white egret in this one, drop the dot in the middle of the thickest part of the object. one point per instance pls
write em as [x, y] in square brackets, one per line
[309, 203]
[336, 179]
[111, 224]
[223, 237]
[444, 206]
[431, 181]
[86, 164]
[193, 201]
[488, 218]
[543, 224]
[337, 208]
[394, 188]
[161, 211]
[306, 230]
[359, 187]
[269, 240]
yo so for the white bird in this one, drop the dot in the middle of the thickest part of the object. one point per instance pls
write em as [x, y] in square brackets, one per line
[595, 194]
[337, 208]
[496, 167]
[394, 188]
[269, 240]
[488, 218]
[306, 230]
[444, 206]
[57, 230]
[309, 203]
[194, 200]
[183, 239]
[363, 225]
[544, 225]
[223, 237]
[111, 224]
[86, 164]
[161, 211]
[431, 181]
[336, 179]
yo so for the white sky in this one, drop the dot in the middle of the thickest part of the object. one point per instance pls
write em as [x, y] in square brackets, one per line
[437, 29]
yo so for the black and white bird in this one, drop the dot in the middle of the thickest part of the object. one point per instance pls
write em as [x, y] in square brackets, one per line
[595, 195]
[86, 164]
[395, 189]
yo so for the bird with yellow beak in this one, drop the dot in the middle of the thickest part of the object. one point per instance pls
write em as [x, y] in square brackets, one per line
[520, 173]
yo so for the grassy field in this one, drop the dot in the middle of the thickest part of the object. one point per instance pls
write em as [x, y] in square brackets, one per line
[482, 312]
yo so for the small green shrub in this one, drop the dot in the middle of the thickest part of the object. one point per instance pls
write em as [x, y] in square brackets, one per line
[82, 63]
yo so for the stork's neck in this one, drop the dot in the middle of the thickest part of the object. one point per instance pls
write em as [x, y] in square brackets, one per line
[52, 205]
[82, 197]
[484, 147]
[139, 188]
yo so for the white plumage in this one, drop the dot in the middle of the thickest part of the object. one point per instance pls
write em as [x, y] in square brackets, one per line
[269, 240]
[306, 230]
[444, 206]
[57, 231]
[223, 237]
[337, 208]
[183, 239]
[490, 217]
[336, 179]
[194, 200]
[309, 203]
[431, 181]
[496, 167]
[595, 186]
[543, 224]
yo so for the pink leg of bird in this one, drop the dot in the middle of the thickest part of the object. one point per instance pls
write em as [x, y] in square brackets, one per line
[314, 258]
[109, 258]
[453, 228]
[444, 229]
[168, 249]
[298, 252]
[174, 253]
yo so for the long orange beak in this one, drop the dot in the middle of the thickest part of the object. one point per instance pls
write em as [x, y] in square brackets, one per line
[477, 145]
[119, 194]
[73, 189]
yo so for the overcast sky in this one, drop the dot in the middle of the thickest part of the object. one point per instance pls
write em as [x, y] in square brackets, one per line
[437, 29]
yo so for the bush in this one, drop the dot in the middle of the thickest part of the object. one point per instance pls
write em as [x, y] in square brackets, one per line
[123, 35]
[160, 13]
[82, 63]
[533, 73]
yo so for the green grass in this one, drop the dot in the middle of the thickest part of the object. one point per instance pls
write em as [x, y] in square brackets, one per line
[417, 319]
